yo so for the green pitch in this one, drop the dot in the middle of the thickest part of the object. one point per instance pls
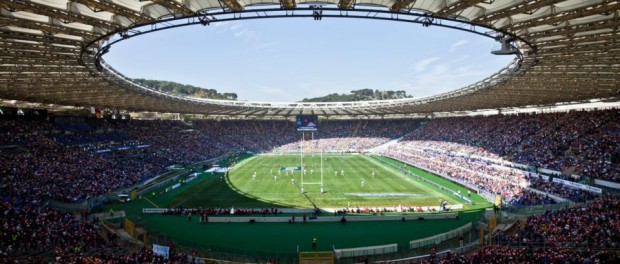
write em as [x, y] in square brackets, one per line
[239, 190]
[347, 181]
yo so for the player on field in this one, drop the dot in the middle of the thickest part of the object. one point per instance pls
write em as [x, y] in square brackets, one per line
[275, 178]
[373, 174]
[342, 173]
[363, 182]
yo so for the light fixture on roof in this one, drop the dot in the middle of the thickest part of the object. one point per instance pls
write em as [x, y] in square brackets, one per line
[506, 47]
[427, 21]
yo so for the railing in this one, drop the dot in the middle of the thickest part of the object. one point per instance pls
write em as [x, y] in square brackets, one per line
[223, 255]
[158, 183]
[536, 209]
[424, 258]
[365, 251]
[436, 239]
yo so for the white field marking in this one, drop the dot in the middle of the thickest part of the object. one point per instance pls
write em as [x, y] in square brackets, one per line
[151, 202]
[385, 194]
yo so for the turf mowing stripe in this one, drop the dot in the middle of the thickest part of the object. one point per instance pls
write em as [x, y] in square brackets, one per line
[186, 199]
[428, 188]
[336, 188]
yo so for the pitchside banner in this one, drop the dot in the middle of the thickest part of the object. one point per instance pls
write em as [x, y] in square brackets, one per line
[578, 185]
[159, 250]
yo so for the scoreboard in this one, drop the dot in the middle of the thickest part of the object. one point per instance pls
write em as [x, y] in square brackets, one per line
[306, 122]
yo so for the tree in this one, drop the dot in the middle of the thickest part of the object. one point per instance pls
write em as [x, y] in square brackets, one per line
[185, 90]
[360, 95]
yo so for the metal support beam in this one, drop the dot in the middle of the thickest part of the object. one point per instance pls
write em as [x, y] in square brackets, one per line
[565, 16]
[346, 4]
[523, 7]
[400, 5]
[103, 5]
[175, 7]
[49, 11]
[456, 8]
[288, 4]
[45, 27]
[232, 5]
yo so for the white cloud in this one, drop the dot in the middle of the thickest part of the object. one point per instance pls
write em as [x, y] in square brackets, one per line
[236, 26]
[458, 44]
[423, 64]
[246, 35]
[431, 79]
[241, 31]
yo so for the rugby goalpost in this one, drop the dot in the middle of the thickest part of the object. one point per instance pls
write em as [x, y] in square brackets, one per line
[301, 161]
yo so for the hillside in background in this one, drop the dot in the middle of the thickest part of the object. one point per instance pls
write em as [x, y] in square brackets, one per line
[360, 95]
[185, 90]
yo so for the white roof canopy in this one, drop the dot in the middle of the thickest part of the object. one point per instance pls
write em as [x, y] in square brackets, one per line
[575, 54]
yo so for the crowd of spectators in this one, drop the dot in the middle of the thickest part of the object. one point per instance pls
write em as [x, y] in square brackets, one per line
[27, 229]
[595, 224]
[76, 139]
[513, 255]
[483, 177]
[281, 136]
[484, 171]
[49, 170]
[332, 135]
[210, 211]
[140, 257]
[173, 140]
[561, 190]
[583, 142]
[586, 233]
[48, 164]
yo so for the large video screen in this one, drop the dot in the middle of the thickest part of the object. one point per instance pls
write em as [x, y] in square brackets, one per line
[306, 122]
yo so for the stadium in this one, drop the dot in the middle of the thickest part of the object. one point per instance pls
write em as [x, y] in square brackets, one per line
[522, 166]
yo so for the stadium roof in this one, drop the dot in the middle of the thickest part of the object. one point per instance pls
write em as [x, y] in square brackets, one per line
[50, 49]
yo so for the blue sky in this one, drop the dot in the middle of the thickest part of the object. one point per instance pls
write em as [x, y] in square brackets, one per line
[290, 59]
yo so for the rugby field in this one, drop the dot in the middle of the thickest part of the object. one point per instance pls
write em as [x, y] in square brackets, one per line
[347, 181]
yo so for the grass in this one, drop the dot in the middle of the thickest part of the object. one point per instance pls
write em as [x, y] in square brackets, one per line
[259, 239]
[274, 187]
[477, 199]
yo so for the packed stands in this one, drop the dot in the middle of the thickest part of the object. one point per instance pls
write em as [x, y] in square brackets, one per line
[62, 162]
[481, 171]
[586, 233]
[594, 224]
[581, 142]
[501, 255]
[27, 230]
